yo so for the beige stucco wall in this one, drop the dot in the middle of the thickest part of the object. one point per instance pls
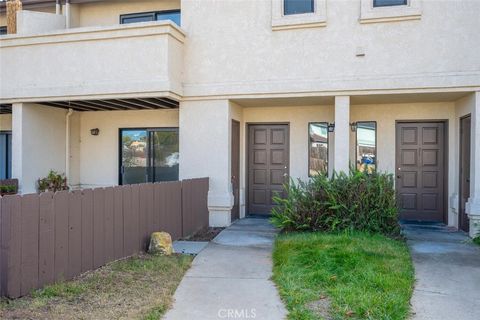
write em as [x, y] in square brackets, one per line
[99, 154]
[38, 143]
[5, 122]
[247, 57]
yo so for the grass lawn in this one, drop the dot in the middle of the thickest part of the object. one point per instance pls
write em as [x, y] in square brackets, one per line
[343, 276]
[140, 287]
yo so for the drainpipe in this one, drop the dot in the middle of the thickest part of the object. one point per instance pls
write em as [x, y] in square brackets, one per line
[67, 145]
[58, 7]
[67, 13]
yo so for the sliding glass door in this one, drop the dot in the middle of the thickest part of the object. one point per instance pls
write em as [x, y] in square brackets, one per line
[148, 155]
[5, 155]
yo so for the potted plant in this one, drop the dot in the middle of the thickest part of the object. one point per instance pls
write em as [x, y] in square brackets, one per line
[53, 182]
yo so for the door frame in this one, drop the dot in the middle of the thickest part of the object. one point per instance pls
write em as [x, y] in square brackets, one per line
[8, 154]
[460, 158]
[445, 159]
[119, 145]
[239, 148]
[247, 156]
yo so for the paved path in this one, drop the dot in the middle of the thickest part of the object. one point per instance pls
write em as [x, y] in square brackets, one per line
[447, 269]
[230, 278]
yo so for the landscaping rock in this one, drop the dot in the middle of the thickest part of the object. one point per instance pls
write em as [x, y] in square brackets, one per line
[160, 243]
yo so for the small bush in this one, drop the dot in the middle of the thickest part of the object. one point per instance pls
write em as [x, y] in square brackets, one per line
[7, 189]
[53, 182]
[357, 201]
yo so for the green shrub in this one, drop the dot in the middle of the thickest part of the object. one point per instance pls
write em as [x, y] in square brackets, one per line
[4, 189]
[53, 182]
[357, 201]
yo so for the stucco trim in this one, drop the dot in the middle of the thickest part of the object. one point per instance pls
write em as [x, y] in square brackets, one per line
[95, 33]
[371, 14]
[297, 21]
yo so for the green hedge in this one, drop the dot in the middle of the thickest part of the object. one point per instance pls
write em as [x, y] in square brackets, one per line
[354, 201]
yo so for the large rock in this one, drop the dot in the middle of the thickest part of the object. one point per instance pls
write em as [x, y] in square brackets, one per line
[160, 243]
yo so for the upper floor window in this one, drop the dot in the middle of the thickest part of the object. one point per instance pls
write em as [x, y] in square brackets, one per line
[389, 3]
[298, 6]
[3, 30]
[173, 15]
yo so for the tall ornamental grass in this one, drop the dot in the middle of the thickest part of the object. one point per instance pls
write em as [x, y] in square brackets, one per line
[355, 201]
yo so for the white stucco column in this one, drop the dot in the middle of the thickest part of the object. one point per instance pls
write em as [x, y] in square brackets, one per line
[342, 134]
[473, 204]
[205, 152]
[38, 143]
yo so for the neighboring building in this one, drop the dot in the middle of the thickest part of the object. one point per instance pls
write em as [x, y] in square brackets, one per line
[249, 93]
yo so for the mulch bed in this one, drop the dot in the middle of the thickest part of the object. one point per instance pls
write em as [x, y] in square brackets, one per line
[206, 234]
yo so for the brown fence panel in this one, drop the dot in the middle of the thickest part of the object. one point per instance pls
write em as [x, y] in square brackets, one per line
[46, 246]
[87, 230]
[53, 237]
[109, 225]
[194, 202]
[60, 203]
[29, 244]
[98, 228]
[74, 234]
[118, 222]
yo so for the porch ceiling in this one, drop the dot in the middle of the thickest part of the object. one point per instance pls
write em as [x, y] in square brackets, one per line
[115, 104]
[5, 108]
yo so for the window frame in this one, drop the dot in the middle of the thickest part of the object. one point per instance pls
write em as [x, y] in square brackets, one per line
[376, 142]
[153, 14]
[309, 146]
[317, 18]
[289, 14]
[149, 158]
[369, 13]
[405, 3]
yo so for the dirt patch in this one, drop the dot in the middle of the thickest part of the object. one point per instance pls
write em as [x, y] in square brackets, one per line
[321, 307]
[140, 287]
[206, 234]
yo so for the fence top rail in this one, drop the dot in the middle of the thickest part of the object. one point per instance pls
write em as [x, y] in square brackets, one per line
[82, 191]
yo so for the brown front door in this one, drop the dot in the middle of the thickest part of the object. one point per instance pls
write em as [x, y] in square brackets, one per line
[268, 153]
[236, 169]
[465, 136]
[420, 159]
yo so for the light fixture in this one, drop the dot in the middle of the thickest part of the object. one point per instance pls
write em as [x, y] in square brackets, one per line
[331, 127]
[95, 132]
[353, 126]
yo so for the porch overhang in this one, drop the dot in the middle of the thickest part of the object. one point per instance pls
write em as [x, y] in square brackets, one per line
[5, 108]
[150, 103]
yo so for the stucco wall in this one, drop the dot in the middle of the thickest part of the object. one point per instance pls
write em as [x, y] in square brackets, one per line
[5, 122]
[38, 143]
[99, 154]
[241, 54]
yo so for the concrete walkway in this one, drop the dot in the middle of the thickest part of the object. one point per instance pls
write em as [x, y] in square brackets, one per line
[230, 278]
[447, 269]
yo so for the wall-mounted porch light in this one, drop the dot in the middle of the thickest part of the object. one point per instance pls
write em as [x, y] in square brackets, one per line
[95, 132]
[353, 126]
[331, 127]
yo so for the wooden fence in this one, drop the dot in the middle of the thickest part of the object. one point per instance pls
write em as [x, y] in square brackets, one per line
[52, 237]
